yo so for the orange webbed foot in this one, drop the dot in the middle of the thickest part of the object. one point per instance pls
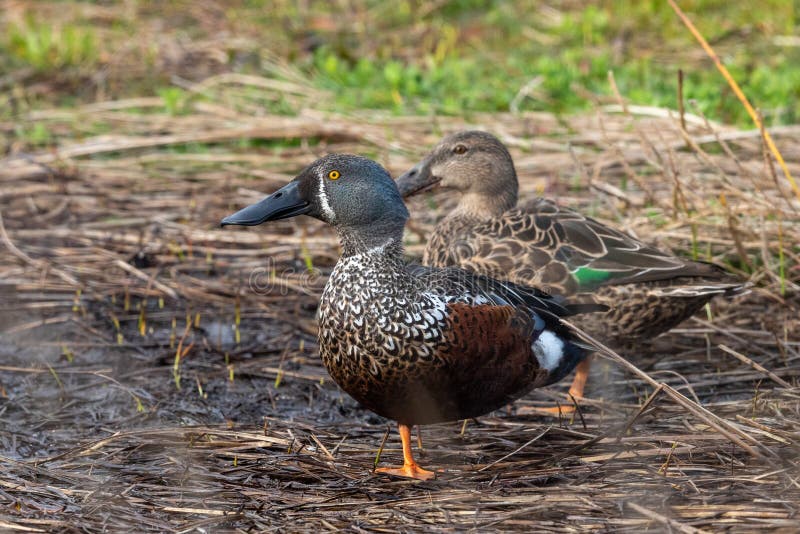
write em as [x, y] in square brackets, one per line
[561, 410]
[408, 471]
[410, 468]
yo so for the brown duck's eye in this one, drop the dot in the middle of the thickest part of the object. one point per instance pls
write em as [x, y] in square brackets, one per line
[334, 175]
[459, 149]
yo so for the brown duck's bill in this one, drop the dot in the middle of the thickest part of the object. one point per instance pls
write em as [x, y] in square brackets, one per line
[284, 203]
[416, 180]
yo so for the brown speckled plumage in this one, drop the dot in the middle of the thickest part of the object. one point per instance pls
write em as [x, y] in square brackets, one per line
[557, 249]
[424, 346]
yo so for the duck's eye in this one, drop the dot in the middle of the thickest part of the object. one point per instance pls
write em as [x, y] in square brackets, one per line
[459, 149]
[334, 175]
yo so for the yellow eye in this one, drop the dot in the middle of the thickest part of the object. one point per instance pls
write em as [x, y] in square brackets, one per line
[334, 175]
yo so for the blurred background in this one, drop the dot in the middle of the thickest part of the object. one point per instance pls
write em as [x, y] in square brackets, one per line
[410, 57]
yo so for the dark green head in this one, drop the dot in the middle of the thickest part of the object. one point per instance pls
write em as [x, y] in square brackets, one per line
[474, 163]
[353, 194]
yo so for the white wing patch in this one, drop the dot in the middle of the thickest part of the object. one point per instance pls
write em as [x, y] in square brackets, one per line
[549, 350]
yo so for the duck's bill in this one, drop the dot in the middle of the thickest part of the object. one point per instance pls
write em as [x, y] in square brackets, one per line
[284, 203]
[417, 180]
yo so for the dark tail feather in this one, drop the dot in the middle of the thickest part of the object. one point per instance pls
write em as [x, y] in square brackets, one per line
[709, 290]
[742, 289]
[588, 307]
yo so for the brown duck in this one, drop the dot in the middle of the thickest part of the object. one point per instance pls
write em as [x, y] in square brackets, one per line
[556, 249]
[416, 344]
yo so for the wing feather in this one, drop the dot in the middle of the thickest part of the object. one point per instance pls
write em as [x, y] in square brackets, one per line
[543, 244]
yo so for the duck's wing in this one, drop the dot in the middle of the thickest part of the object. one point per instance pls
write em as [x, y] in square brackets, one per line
[557, 248]
[457, 284]
[501, 338]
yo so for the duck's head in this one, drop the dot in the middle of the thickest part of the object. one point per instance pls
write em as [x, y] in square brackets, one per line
[353, 194]
[474, 163]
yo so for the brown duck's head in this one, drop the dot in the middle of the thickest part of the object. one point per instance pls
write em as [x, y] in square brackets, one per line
[474, 163]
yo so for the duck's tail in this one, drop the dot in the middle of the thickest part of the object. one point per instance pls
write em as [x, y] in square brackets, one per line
[573, 353]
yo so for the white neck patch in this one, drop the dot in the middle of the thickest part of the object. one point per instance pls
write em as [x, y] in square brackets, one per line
[323, 201]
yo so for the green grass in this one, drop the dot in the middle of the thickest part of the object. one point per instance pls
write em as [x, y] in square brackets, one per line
[458, 57]
[47, 48]
[175, 99]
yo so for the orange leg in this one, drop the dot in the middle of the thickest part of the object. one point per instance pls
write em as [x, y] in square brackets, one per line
[575, 390]
[410, 468]
[581, 375]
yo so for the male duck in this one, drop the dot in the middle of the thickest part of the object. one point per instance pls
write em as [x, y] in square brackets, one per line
[416, 344]
[557, 249]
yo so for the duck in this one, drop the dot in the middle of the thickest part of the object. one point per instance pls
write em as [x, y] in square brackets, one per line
[540, 243]
[417, 344]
